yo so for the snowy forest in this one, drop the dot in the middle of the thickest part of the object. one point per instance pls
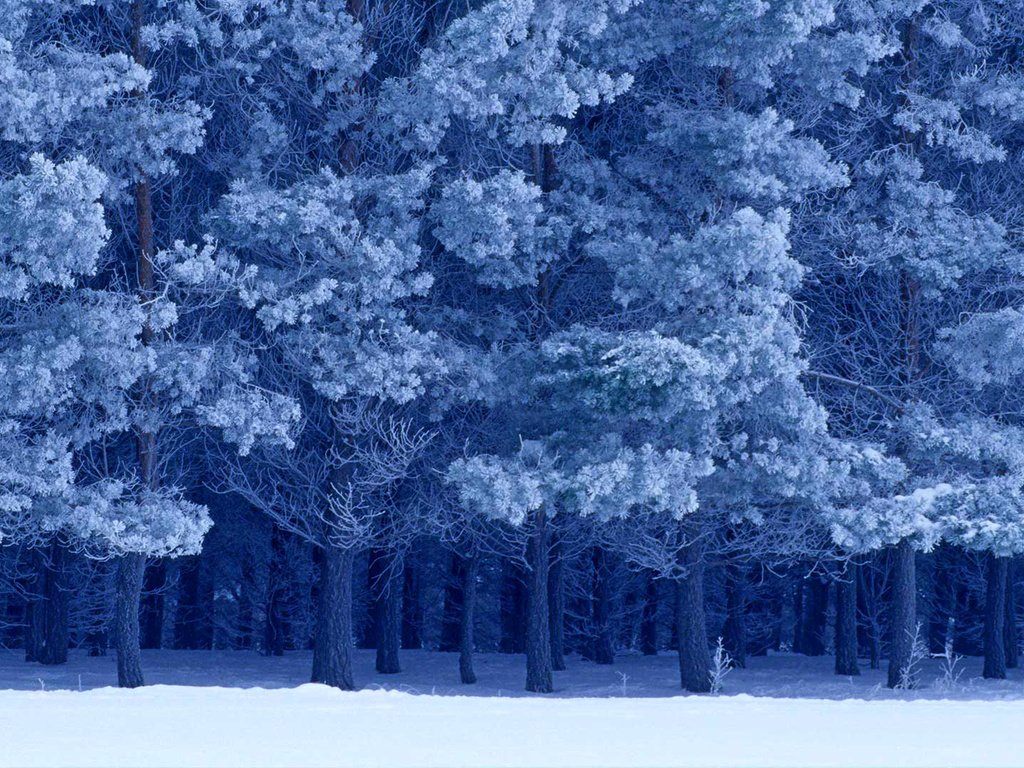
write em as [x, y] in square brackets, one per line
[544, 331]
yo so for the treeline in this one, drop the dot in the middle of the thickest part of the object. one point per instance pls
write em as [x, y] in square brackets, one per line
[522, 324]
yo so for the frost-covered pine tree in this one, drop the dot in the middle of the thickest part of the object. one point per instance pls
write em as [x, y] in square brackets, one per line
[124, 362]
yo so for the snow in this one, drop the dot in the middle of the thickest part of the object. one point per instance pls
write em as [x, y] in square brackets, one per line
[212, 716]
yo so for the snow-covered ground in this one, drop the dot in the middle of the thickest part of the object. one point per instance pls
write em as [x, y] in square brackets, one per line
[240, 709]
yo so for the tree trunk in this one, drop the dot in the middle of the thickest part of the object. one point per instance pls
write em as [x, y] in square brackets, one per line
[47, 625]
[128, 582]
[152, 609]
[513, 609]
[903, 620]
[601, 600]
[995, 618]
[538, 631]
[451, 613]
[412, 607]
[388, 607]
[846, 621]
[332, 645]
[691, 626]
[556, 607]
[734, 631]
[1010, 640]
[469, 571]
[649, 617]
[274, 629]
[815, 616]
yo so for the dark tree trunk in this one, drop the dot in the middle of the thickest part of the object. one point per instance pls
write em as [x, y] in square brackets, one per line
[846, 621]
[375, 564]
[691, 626]
[469, 572]
[538, 631]
[995, 618]
[649, 617]
[152, 609]
[513, 610]
[1010, 640]
[815, 616]
[866, 607]
[734, 631]
[451, 615]
[128, 584]
[332, 645]
[388, 623]
[275, 630]
[943, 599]
[192, 622]
[47, 615]
[412, 607]
[556, 606]
[903, 617]
[798, 613]
[601, 602]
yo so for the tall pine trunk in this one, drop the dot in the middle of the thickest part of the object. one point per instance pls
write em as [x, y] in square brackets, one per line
[388, 608]
[556, 606]
[649, 617]
[412, 607]
[152, 610]
[691, 625]
[332, 644]
[601, 650]
[538, 631]
[1010, 639]
[903, 617]
[846, 621]
[47, 625]
[734, 631]
[466, 643]
[995, 618]
[128, 587]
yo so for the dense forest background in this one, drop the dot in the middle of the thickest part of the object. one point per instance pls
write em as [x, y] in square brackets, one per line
[528, 326]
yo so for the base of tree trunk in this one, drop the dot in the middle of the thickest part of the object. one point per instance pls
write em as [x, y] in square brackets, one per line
[903, 621]
[691, 625]
[466, 644]
[995, 617]
[128, 583]
[538, 631]
[846, 622]
[332, 651]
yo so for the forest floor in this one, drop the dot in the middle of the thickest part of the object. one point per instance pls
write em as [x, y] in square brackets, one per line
[232, 708]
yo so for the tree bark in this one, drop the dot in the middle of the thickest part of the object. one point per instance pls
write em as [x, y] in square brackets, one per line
[47, 625]
[538, 631]
[995, 618]
[128, 587]
[734, 631]
[1010, 639]
[451, 613]
[691, 625]
[513, 609]
[602, 651]
[556, 607]
[846, 622]
[274, 629]
[332, 645]
[469, 572]
[152, 609]
[814, 616]
[903, 617]
[388, 607]
[412, 607]
[649, 617]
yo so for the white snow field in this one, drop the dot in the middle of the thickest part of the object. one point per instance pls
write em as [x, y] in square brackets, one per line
[782, 711]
